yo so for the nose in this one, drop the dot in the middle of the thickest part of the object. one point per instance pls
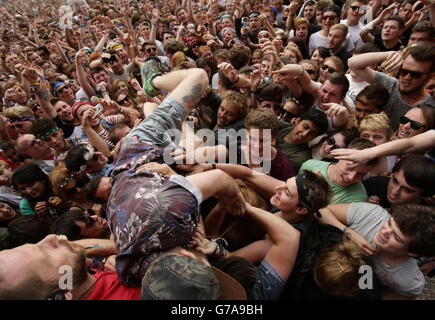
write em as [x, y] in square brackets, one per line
[395, 190]
[351, 176]
[50, 241]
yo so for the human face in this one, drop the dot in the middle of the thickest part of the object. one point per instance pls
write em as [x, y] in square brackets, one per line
[55, 140]
[228, 113]
[124, 100]
[311, 70]
[63, 110]
[93, 227]
[167, 36]
[227, 35]
[150, 50]
[419, 36]
[335, 39]
[5, 177]
[254, 23]
[331, 143]
[122, 54]
[304, 132]
[81, 111]
[226, 22]
[181, 16]
[21, 127]
[101, 76]
[390, 30]
[317, 57]
[362, 110]
[390, 239]
[347, 174]
[286, 197]
[355, 11]
[207, 55]
[329, 93]
[7, 213]
[256, 58]
[301, 31]
[377, 137]
[327, 68]
[290, 111]
[409, 85]
[76, 188]
[16, 93]
[329, 18]
[265, 68]
[65, 92]
[405, 11]
[308, 12]
[104, 188]
[32, 147]
[42, 261]
[400, 192]
[259, 141]
[406, 130]
[32, 190]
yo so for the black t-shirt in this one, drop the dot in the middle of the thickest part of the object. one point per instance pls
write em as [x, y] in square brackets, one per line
[380, 44]
[377, 186]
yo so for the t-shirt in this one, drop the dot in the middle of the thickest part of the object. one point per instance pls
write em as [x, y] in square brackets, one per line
[319, 40]
[297, 153]
[108, 287]
[354, 88]
[354, 31]
[405, 278]
[352, 193]
[396, 106]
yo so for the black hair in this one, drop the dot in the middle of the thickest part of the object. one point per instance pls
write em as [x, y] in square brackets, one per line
[27, 173]
[66, 224]
[319, 119]
[26, 229]
[74, 159]
[42, 125]
[91, 188]
[419, 172]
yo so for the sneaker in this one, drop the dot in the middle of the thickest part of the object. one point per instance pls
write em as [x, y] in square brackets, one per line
[151, 68]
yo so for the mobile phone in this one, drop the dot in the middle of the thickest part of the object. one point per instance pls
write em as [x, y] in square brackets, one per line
[98, 109]
[245, 21]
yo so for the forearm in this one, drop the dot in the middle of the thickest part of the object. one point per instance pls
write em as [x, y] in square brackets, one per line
[83, 80]
[97, 247]
[362, 61]
[42, 94]
[213, 221]
[102, 42]
[328, 217]
[96, 141]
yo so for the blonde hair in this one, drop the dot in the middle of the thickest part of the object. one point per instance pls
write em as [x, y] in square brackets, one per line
[4, 165]
[296, 51]
[339, 26]
[18, 112]
[377, 122]
[177, 58]
[336, 270]
[337, 61]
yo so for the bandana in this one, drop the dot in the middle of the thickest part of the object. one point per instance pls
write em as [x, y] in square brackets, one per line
[48, 132]
[56, 85]
[21, 119]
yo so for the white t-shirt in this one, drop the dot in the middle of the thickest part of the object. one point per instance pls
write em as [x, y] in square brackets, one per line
[354, 31]
[354, 89]
[405, 278]
[319, 40]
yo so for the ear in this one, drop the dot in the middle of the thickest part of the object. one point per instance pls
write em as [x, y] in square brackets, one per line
[301, 210]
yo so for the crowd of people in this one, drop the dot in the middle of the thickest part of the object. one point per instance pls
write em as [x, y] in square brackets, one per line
[217, 149]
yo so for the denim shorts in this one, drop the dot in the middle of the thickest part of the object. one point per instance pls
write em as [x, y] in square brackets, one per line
[268, 282]
[170, 114]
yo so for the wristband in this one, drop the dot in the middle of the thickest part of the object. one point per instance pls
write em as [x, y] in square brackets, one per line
[238, 78]
[213, 166]
[345, 229]
[302, 73]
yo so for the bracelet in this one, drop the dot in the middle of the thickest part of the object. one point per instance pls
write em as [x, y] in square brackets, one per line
[238, 78]
[345, 229]
[213, 165]
[302, 73]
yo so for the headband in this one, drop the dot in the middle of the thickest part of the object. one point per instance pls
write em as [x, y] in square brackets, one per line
[117, 46]
[48, 132]
[15, 119]
[303, 192]
[56, 85]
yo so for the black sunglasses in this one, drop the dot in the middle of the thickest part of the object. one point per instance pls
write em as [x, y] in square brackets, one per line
[310, 71]
[16, 126]
[355, 8]
[287, 115]
[108, 60]
[330, 70]
[414, 74]
[415, 125]
[66, 86]
[123, 101]
[151, 49]
[331, 142]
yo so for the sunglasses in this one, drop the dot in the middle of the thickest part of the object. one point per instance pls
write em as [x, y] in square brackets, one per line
[16, 126]
[310, 71]
[330, 70]
[66, 86]
[87, 218]
[355, 8]
[329, 17]
[415, 125]
[149, 50]
[35, 107]
[414, 74]
[111, 59]
[123, 101]
[331, 142]
[287, 114]
[79, 184]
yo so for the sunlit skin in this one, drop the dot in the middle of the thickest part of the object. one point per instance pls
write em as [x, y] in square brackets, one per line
[405, 130]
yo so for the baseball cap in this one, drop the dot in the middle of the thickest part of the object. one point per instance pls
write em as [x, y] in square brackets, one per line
[176, 277]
